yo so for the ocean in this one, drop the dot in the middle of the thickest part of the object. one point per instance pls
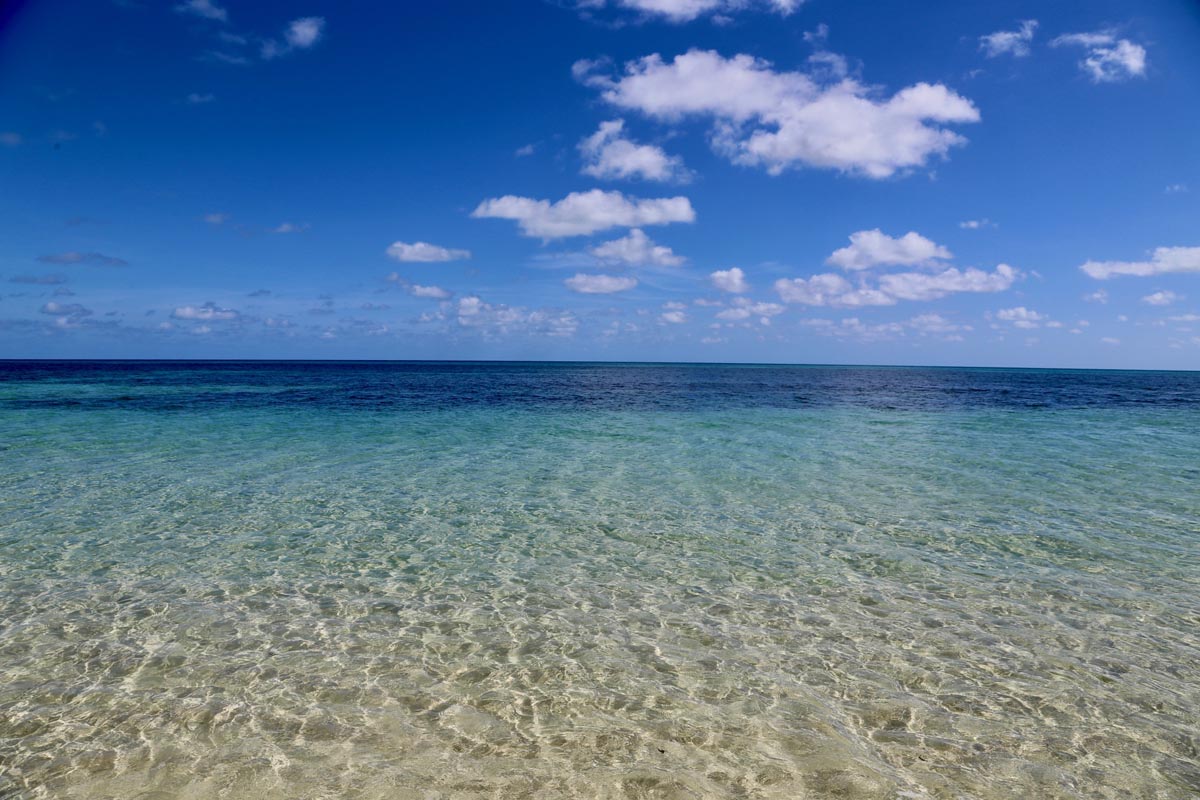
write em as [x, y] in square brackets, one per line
[526, 580]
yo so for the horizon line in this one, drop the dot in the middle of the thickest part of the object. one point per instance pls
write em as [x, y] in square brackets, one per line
[567, 361]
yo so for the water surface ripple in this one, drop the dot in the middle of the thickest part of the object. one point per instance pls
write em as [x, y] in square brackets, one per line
[224, 580]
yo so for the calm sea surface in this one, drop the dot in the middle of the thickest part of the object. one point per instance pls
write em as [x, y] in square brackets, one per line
[281, 581]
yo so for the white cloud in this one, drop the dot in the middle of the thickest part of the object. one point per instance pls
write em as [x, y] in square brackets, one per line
[610, 155]
[674, 316]
[1110, 340]
[744, 308]
[525, 150]
[495, 320]
[207, 312]
[290, 227]
[582, 213]
[203, 8]
[599, 284]
[780, 120]
[424, 252]
[434, 292]
[937, 325]
[300, 34]
[1163, 298]
[1022, 317]
[216, 218]
[976, 224]
[1108, 58]
[196, 99]
[679, 11]
[731, 280]
[304, 32]
[922, 286]
[1098, 296]
[636, 249]
[855, 329]
[10, 139]
[1176, 188]
[830, 289]
[1164, 260]
[875, 248]
[827, 289]
[1015, 43]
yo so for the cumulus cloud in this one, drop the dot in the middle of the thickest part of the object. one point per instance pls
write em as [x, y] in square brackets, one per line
[495, 320]
[1162, 298]
[937, 325]
[1164, 260]
[209, 312]
[205, 9]
[1022, 317]
[731, 280]
[300, 34]
[417, 290]
[830, 289]
[637, 249]
[819, 290]
[924, 286]
[853, 328]
[75, 257]
[599, 284]
[779, 120]
[432, 292]
[582, 213]
[744, 308]
[875, 248]
[424, 252]
[610, 154]
[679, 11]
[1015, 43]
[290, 227]
[1108, 58]
[673, 316]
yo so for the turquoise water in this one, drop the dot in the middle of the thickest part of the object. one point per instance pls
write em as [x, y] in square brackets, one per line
[516, 580]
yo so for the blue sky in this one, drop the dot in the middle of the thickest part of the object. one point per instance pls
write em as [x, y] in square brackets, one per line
[1010, 183]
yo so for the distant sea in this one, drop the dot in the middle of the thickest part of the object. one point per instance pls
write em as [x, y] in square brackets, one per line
[523, 580]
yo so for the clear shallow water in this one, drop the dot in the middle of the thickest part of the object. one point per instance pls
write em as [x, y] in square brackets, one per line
[516, 580]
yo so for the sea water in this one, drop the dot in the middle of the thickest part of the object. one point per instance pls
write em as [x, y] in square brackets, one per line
[503, 580]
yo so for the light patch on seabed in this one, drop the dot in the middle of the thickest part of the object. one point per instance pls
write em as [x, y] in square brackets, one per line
[529, 602]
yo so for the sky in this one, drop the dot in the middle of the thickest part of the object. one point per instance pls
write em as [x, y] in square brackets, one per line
[787, 181]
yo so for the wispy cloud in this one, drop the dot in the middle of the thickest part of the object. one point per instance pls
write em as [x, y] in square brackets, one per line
[75, 257]
[300, 34]
[1163, 260]
[1108, 58]
[424, 252]
[205, 9]
[1014, 43]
